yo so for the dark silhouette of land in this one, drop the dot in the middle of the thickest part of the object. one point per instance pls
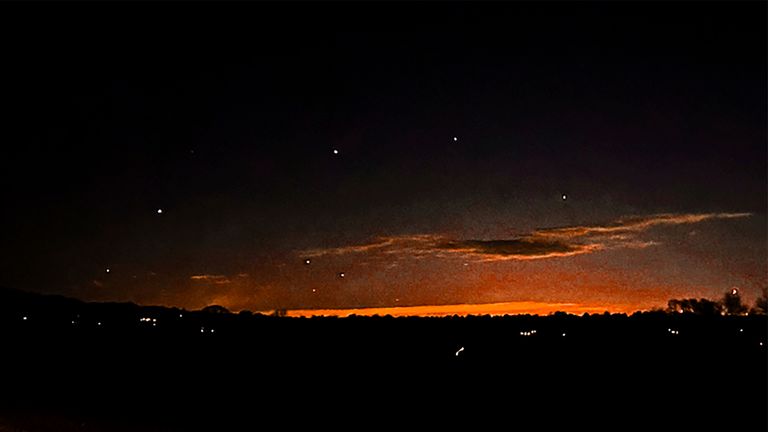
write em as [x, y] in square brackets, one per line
[71, 365]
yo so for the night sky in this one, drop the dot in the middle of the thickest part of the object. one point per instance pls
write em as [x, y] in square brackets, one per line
[499, 157]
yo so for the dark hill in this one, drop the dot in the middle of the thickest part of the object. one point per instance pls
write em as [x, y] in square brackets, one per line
[117, 366]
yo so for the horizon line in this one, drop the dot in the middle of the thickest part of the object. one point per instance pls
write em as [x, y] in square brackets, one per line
[466, 309]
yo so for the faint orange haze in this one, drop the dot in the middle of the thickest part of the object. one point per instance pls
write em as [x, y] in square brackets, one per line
[504, 308]
[627, 264]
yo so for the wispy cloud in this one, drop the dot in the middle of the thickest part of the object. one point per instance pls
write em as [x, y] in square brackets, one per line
[634, 224]
[539, 244]
[214, 279]
[413, 244]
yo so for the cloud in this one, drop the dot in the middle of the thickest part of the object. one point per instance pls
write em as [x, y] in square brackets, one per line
[539, 244]
[520, 248]
[214, 279]
[634, 224]
[408, 243]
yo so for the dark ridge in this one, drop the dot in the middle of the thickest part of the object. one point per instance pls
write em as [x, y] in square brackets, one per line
[71, 365]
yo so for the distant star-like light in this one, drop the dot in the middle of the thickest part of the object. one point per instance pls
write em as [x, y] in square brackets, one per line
[307, 261]
[107, 270]
[455, 139]
[335, 151]
[159, 211]
[342, 274]
[565, 197]
[459, 351]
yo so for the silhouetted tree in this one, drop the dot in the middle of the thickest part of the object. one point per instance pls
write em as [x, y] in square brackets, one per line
[215, 309]
[676, 305]
[761, 303]
[707, 307]
[732, 304]
[696, 306]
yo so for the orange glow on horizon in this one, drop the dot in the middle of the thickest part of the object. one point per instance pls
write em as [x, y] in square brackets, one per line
[495, 309]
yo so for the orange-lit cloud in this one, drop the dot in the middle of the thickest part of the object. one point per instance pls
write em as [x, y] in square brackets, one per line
[634, 224]
[214, 279]
[412, 244]
[539, 244]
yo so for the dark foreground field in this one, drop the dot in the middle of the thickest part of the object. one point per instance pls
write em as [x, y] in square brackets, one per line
[61, 370]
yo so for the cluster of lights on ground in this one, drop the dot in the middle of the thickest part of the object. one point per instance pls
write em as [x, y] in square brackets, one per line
[524, 333]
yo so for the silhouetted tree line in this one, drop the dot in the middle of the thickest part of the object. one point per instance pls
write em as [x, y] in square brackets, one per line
[730, 304]
[16, 305]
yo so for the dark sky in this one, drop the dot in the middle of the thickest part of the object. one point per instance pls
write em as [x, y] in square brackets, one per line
[649, 117]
